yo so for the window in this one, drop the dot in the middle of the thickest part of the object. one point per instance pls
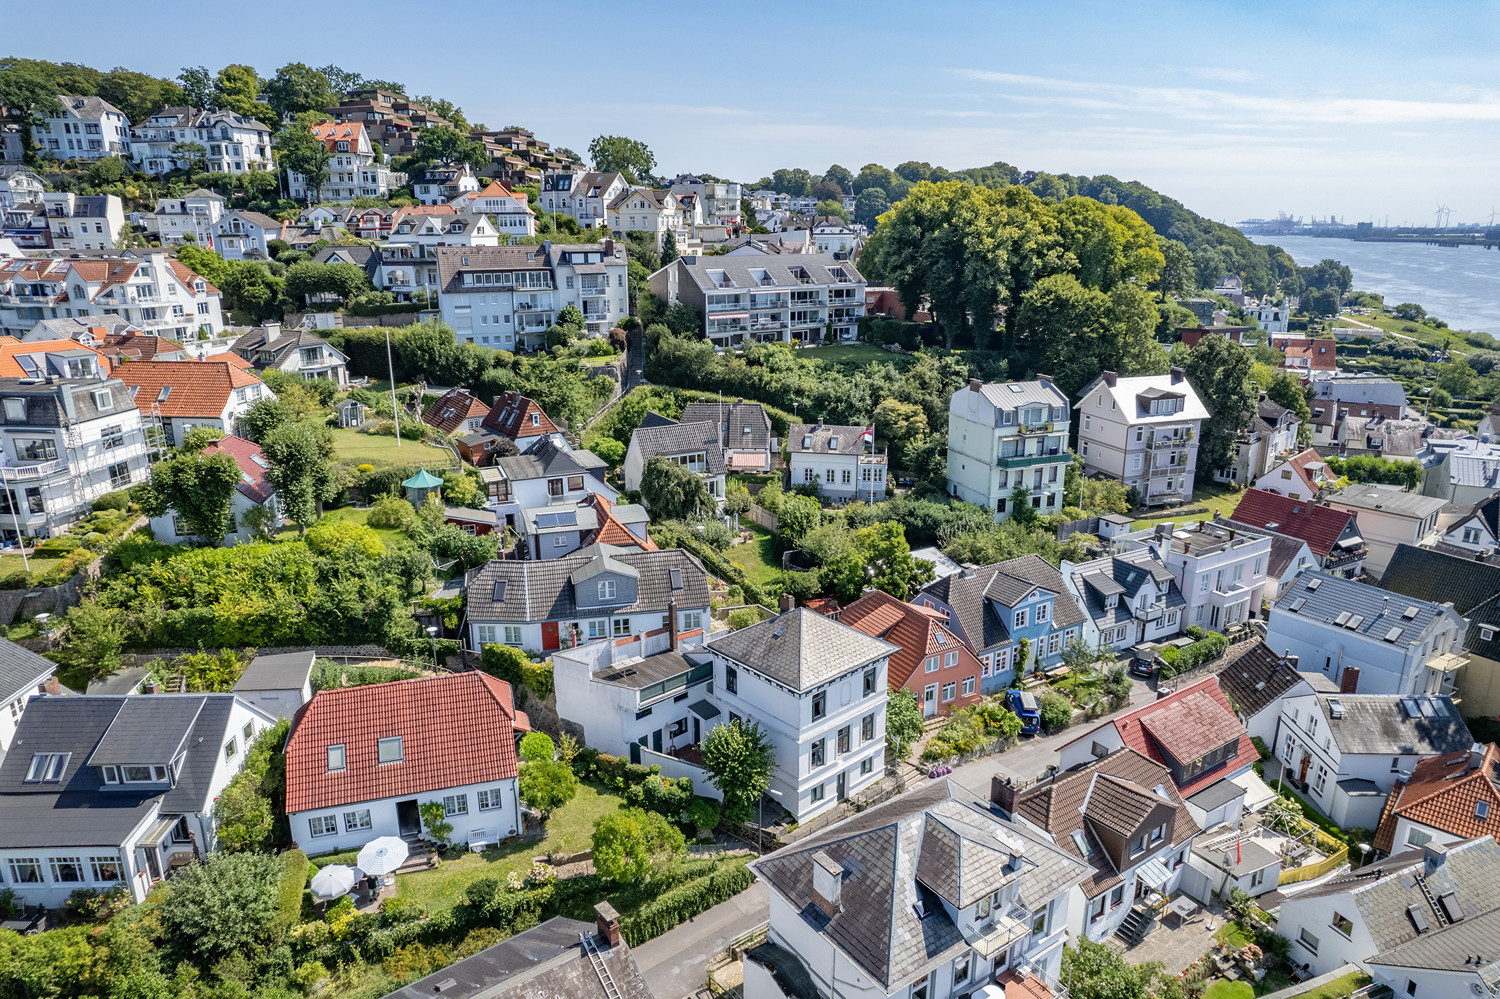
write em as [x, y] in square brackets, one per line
[820, 704]
[1021, 619]
[950, 659]
[455, 804]
[1307, 940]
[817, 793]
[1416, 837]
[26, 870]
[843, 740]
[621, 627]
[731, 680]
[968, 685]
[866, 765]
[230, 748]
[1039, 923]
[486, 634]
[1481, 810]
[36, 449]
[105, 869]
[512, 634]
[1138, 845]
[357, 819]
[67, 870]
[1117, 896]
[869, 682]
[692, 620]
[606, 589]
[389, 750]
[249, 731]
[47, 767]
[867, 728]
[961, 968]
[119, 477]
[323, 825]
[931, 665]
[950, 691]
[15, 409]
[819, 753]
[489, 798]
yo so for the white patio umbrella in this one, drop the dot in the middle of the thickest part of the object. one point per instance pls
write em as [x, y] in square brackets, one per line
[333, 881]
[382, 856]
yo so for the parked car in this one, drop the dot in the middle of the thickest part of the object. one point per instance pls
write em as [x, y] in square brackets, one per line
[1145, 659]
[1026, 708]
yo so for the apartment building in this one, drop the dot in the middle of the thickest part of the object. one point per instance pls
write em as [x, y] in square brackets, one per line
[583, 195]
[82, 221]
[1270, 437]
[188, 218]
[352, 171]
[718, 201]
[152, 292]
[759, 298]
[231, 143]
[392, 120]
[87, 128]
[245, 235]
[502, 297]
[1388, 517]
[510, 213]
[1007, 436]
[593, 277]
[1142, 431]
[443, 182]
[1220, 571]
[646, 210]
[843, 462]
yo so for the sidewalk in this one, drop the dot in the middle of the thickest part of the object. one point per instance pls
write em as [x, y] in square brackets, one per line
[676, 963]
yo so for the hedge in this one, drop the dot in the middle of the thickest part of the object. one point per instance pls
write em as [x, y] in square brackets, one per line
[683, 903]
[294, 870]
[1206, 649]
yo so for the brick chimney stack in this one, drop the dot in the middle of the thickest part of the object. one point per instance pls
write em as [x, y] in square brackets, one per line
[1349, 680]
[828, 883]
[788, 603]
[608, 922]
[672, 624]
[1003, 793]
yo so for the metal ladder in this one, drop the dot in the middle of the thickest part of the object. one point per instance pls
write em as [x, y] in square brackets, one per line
[1432, 902]
[605, 978]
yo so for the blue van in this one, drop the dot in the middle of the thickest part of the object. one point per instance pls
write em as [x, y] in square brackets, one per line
[1024, 704]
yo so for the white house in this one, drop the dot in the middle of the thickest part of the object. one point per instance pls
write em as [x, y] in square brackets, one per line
[1270, 436]
[1007, 436]
[744, 429]
[718, 201]
[1365, 638]
[843, 461]
[245, 235]
[87, 128]
[834, 235]
[591, 276]
[497, 296]
[153, 292]
[757, 298]
[252, 493]
[353, 169]
[23, 674]
[548, 473]
[1446, 800]
[278, 683]
[1272, 317]
[449, 229]
[584, 195]
[192, 215]
[1344, 752]
[1478, 530]
[1462, 472]
[1256, 683]
[103, 790]
[1142, 431]
[1127, 599]
[296, 352]
[817, 689]
[645, 210]
[361, 760]
[1383, 916]
[1220, 571]
[1389, 516]
[83, 221]
[695, 446]
[231, 143]
[510, 213]
[18, 185]
[177, 396]
[1304, 475]
[443, 182]
[931, 894]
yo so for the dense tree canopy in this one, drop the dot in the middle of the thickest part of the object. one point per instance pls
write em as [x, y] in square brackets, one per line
[1219, 371]
[629, 157]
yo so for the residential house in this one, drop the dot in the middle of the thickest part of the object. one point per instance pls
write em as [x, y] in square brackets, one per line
[245, 235]
[591, 277]
[360, 761]
[643, 209]
[1127, 598]
[759, 298]
[1363, 637]
[843, 461]
[99, 790]
[602, 592]
[1122, 816]
[744, 431]
[1302, 356]
[509, 213]
[231, 143]
[456, 413]
[278, 683]
[353, 171]
[180, 395]
[1352, 388]
[547, 474]
[295, 352]
[497, 296]
[23, 674]
[66, 439]
[994, 608]
[154, 293]
[1332, 536]
[930, 661]
[561, 529]
[431, 230]
[718, 201]
[930, 894]
[1446, 800]
[818, 690]
[18, 184]
[1220, 571]
[1258, 680]
[1389, 516]
[82, 221]
[1302, 476]
[1477, 531]
[254, 509]
[695, 446]
[522, 421]
[85, 128]
[1194, 733]
[1329, 417]
[1289, 556]
[834, 235]
[1397, 918]
[1271, 317]
[584, 195]
[1270, 436]
[189, 218]
[1226, 860]
[1344, 751]
[1229, 286]
[443, 182]
[1142, 431]
[1007, 436]
[1462, 472]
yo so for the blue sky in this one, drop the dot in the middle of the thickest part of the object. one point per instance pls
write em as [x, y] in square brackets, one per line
[1237, 109]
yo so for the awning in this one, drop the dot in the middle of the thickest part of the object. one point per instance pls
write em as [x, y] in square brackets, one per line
[758, 460]
[1154, 873]
[159, 832]
[704, 710]
[1351, 542]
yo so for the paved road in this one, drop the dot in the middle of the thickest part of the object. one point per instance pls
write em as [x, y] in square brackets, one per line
[676, 963]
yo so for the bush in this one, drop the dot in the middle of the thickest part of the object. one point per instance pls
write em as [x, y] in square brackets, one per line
[391, 513]
[682, 903]
[704, 813]
[537, 746]
[743, 618]
[118, 500]
[1056, 710]
[289, 887]
[398, 910]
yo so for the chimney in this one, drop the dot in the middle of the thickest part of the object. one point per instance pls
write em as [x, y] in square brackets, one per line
[1110, 378]
[608, 922]
[787, 603]
[1349, 680]
[820, 423]
[1178, 375]
[52, 686]
[828, 882]
[273, 330]
[672, 624]
[1434, 854]
[1003, 794]
[975, 384]
[609, 247]
[1163, 530]
[1044, 378]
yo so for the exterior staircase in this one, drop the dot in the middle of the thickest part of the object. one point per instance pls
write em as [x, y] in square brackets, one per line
[1137, 923]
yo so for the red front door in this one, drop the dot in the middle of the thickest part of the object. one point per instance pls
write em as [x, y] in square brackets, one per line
[549, 636]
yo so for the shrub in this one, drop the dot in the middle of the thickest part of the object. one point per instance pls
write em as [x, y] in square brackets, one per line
[394, 911]
[1056, 710]
[682, 903]
[743, 618]
[391, 513]
[536, 747]
[118, 500]
[703, 813]
[504, 662]
[294, 872]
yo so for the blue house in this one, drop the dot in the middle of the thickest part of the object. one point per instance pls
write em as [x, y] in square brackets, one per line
[995, 606]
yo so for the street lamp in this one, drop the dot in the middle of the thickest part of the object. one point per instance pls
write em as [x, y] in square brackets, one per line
[432, 635]
[760, 821]
[1364, 851]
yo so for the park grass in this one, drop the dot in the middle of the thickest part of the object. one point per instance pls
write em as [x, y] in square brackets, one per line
[1453, 339]
[758, 558]
[378, 450]
[1343, 986]
[1224, 988]
[1217, 497]
[569, 830]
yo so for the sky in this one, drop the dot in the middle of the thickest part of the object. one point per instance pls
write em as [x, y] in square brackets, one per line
[1368, 111]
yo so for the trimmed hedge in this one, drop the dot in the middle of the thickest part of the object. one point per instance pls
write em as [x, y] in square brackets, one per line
[294, 871]
[683, 903]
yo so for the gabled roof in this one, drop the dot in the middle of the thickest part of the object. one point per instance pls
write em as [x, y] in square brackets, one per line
[1473, 587]
[455, 729]
[1394, 724]
[915, 633]
[611, 531]
[1321, 353]
[819, 438]
[1466, 947]
[198, 388]
[452, 410]
[1257, 679]
[1122, 575]
[253, 484]
[11, 349]
[21, 670]
[1444, 793]
[512, 590]
[682, 438]
[801, 648]
[742, 425]
[1310, 467]
[547, 459]
[1284, 547]
[1348, 605]
[1320, 526]
[516, 416]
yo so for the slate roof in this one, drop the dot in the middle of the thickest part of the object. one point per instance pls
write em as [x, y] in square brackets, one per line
[914, 631]
[655, 419]
[541, 591]
[817, 266]
[1126, 780]
[547, 459]
[815, 438]
[456, 729]
[1444, 793]
[1003, 396]
[453, 261]
[1465, 947]
[733, 420]
[801, 648]
[938, 840]
[1257, 679]
[1340, 602]
[281, 671]
[682, 438]
[544, 962]
[1472, 587]
[510, 416]
[1380, 725]
[453, 409]
[1122, 575]
[21, 670]
[1319, 526]
[974, 618]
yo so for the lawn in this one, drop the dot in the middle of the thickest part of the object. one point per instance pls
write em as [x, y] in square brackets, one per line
[1226, 989]
[40, 564]
[1234, 935]
[1349, 983]
[1391, 324]
[375, 449]
[358, 516]
[1219, 498]
[570, 829]
[856, 353]
[758, 558]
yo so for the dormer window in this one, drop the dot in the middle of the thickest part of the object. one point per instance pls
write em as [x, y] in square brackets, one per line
[833, 443]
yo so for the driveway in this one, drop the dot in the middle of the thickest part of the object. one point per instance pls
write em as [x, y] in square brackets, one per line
[676, 963]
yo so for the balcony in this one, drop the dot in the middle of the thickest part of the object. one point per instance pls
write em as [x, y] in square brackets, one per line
[726, 305]
[1346, 559]
[1028, 460]
[1031, 429]
[32, 470]
[1026, 979]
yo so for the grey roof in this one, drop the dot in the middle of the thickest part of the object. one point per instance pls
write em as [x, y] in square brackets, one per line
[1388, 499]
[21, 670]
[816, 438]
[283, 671]
[1384, 725]
[147, 730]
[655, 419]
[637, 673]
[801, 648]
[782, 271]
[733, 419]
[899, 855]
[1472, 587]
[453, 261]
[1467, 946]
[547, 459]
[1257, 679]
[1326, 598]
[122, 681]
[1013, 395]
[541, 591]
[544, 962]
[1236, 858]
[584, 518]
[682, 438]
[1121, 575]
[1359, 785]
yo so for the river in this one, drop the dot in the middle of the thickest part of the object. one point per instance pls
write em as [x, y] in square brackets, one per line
[1459, 284]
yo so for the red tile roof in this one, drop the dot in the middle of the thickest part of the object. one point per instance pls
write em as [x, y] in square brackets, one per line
[456, 729]
[452, 410]
[917, 636]
[141, 346]
[610, 531]
[1303, 463]
[199, 388]
[255, 486]
[511, 416]
[11, 348]
[1322, 353]
[1319, 526]
[332, 132]
[1443, 793]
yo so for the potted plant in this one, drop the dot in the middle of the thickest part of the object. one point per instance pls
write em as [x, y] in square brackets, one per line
[435, 819]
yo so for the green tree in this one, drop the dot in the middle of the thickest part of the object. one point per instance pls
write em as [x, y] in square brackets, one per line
[537, 747]
[1110, 243]
[198, 438]
[194, 155]
[31, 98]
[1177, 276]
[884, 549]
[445, 109]
[237, 89]
[797, 516]
[668, 248]
[242, 814]
[831, 208]
[301, 469]
[672, 492]
[296, 89]
[197, 85]
[1287, 392]
[1056, 710]
[840, 176]
[1021, 510]
[264, 417]
[739, 759]
[299, 151]
[435, 818]
[634, 845]
[1098, 971]
[547, 784]
[1219, 371]
[871, 203]
[796, 182]
[903, 722]
[898, 422]
[108, 170]
[93, 637]
[200, 488]
[438, 143]
[628, 157]
[223, 904]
